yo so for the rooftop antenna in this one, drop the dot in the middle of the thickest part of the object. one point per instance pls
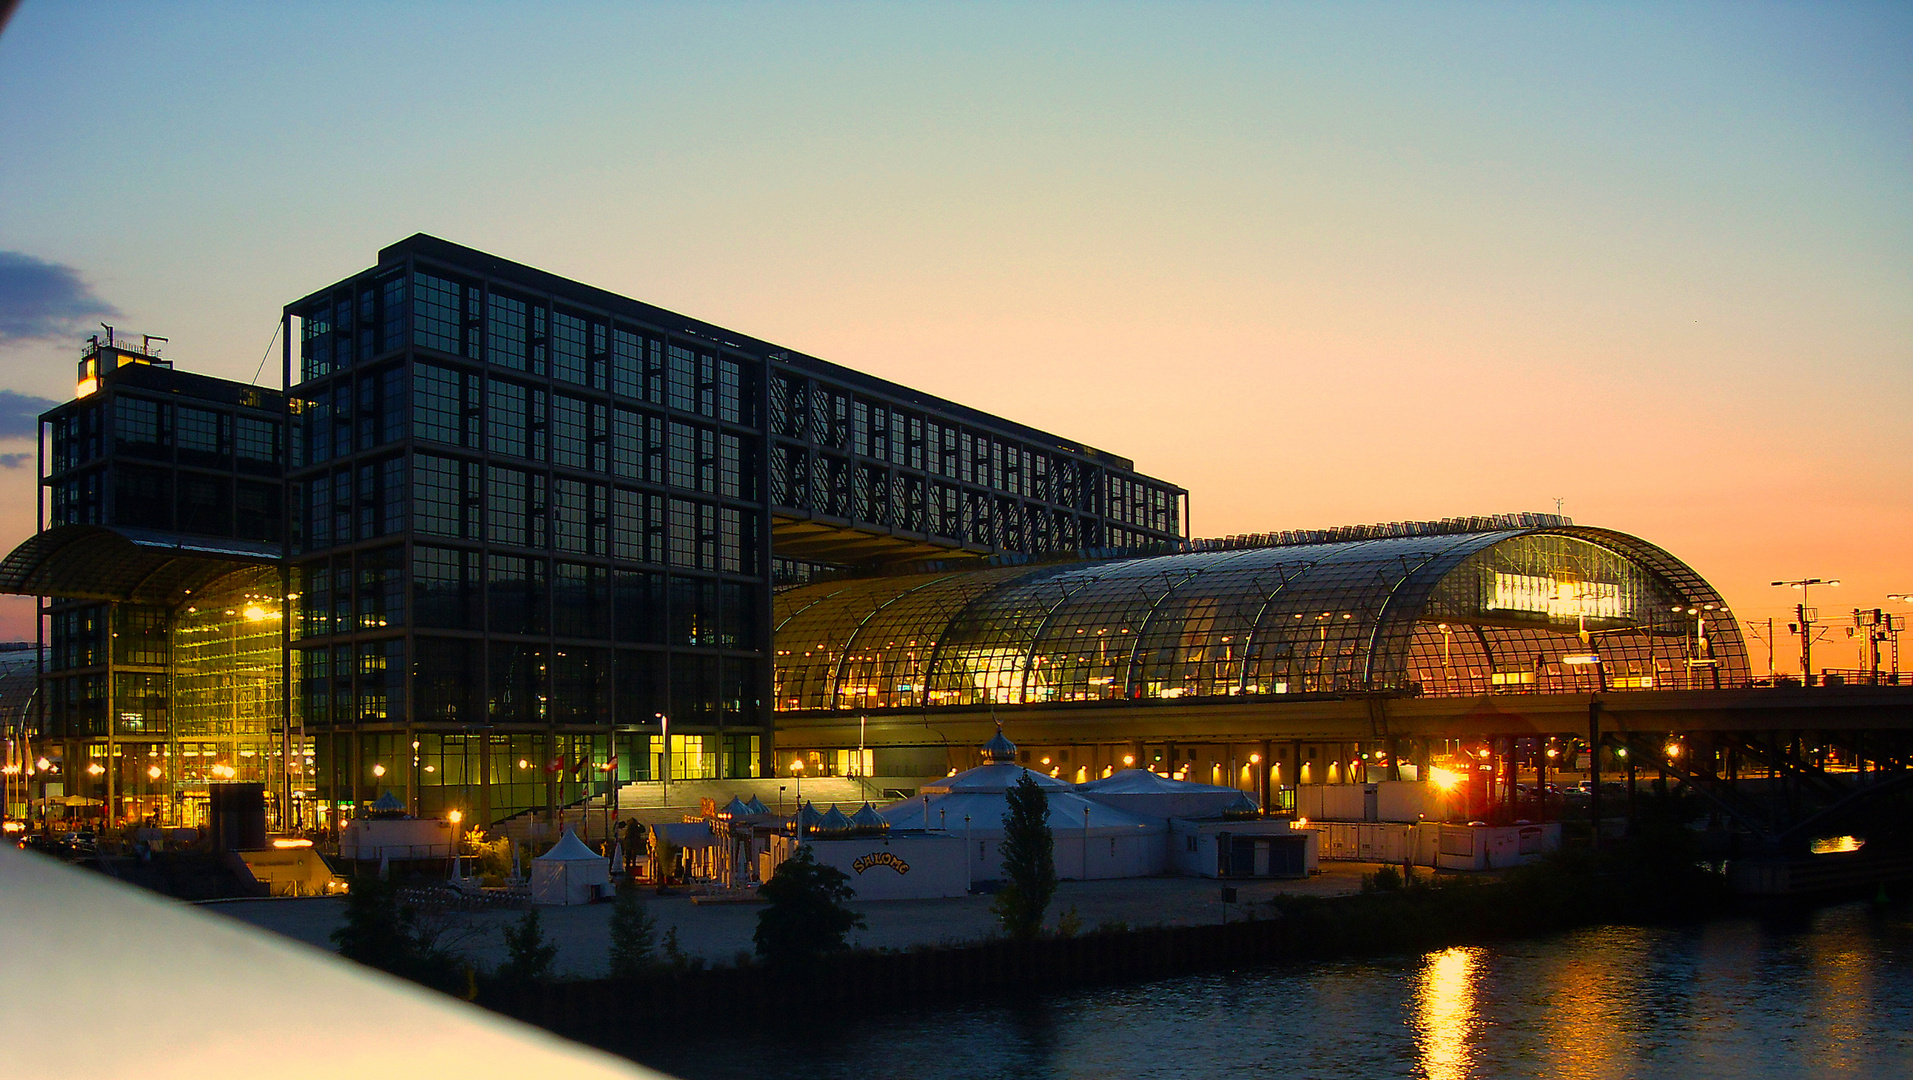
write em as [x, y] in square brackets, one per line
[1557, 506]
[109, 334]
[147, 346]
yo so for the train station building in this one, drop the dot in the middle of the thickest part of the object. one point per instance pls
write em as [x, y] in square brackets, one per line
[511, 540]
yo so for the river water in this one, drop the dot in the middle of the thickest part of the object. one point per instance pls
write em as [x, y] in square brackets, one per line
[1826, 994]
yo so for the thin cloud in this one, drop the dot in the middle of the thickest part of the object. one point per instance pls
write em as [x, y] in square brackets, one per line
[20, 419]
[40, 299]
[15, 461]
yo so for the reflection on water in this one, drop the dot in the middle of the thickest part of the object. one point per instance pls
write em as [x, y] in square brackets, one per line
[1827, 995]
[1445, 1007]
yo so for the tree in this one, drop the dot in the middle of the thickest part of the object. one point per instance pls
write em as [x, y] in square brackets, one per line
[806, 916]
[1029, 861]
[377, 931]
[528, 956]
[381, 931]
[633, 932]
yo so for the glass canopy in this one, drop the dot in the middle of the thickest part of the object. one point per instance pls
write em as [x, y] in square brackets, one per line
[1564, 608]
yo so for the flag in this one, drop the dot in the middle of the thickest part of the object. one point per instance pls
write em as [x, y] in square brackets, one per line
[557, 764]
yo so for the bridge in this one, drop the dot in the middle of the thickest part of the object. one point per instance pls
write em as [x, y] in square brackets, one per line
[1782, 764]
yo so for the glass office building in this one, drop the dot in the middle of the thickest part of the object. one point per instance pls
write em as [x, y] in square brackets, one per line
[158, 561]
[531, 519]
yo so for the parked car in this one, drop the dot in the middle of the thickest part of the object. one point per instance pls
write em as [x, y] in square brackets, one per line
[36, 842]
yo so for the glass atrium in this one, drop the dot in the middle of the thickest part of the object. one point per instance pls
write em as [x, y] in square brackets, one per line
[1557, 608]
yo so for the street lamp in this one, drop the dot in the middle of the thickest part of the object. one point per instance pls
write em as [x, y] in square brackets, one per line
[1805, 615]
[664, 758]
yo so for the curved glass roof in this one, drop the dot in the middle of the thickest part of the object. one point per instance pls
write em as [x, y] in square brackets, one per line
[96, 562]
[1465, 612]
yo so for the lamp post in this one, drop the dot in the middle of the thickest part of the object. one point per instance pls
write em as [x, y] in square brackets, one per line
[1806, 615]
[664, 756]
[1702, 655]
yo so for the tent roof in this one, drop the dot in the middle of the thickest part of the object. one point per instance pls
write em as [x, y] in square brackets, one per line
[998, 777]
[1144, 782]
[569, 849]
[986, 810]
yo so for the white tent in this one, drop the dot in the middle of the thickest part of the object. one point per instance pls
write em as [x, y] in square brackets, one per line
[1092, 840]
[570, 873]
[1146, 794]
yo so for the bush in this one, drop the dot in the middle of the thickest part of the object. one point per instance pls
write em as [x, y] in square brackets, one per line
[528, 956]
[806, 916]
[382, 932]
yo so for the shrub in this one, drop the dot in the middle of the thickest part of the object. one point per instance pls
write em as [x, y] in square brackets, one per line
[528, 956]
[805, 917]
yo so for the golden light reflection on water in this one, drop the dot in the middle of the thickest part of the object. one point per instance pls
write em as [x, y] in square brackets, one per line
[1445, 1013]
[1583, 1015]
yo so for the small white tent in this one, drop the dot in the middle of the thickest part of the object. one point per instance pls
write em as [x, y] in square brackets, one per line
[570, 873]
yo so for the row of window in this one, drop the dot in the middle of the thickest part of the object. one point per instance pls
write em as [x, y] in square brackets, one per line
[464, 409]
[141, 427]
[465, 500]
[456, 589]
[463, 681]
[525, 334]
[352, 327]
[827, 416]
[155, 498]
[353, 414]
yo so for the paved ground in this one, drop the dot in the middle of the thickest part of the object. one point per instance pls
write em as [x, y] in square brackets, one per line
[718, 932]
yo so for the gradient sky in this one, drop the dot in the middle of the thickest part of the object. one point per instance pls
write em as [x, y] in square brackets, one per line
[1320, 264]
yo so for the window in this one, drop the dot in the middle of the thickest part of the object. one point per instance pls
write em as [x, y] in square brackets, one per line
[507, 516]
[516, 588]
[515, 420]
[577, 517]
[438, 314]
[444, 405]
[569, 360]
[693, 458]
[139, 425]
[571, 432]
[581, 601]
[445, 588]
[692, 539]
[199, 434]
[637, 526]
[256, 441]
[445, 496]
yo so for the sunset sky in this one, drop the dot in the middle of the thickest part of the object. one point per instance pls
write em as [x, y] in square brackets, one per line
[1320, 264]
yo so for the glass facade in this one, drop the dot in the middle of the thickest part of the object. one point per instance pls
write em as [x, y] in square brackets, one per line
[525, 508]
[163, 673]
[1562, 608]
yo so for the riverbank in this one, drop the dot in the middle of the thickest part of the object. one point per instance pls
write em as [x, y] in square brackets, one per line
[1391, 914]
[716, 933]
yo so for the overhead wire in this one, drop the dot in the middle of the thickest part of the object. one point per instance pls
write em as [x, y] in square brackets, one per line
[276, 327]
